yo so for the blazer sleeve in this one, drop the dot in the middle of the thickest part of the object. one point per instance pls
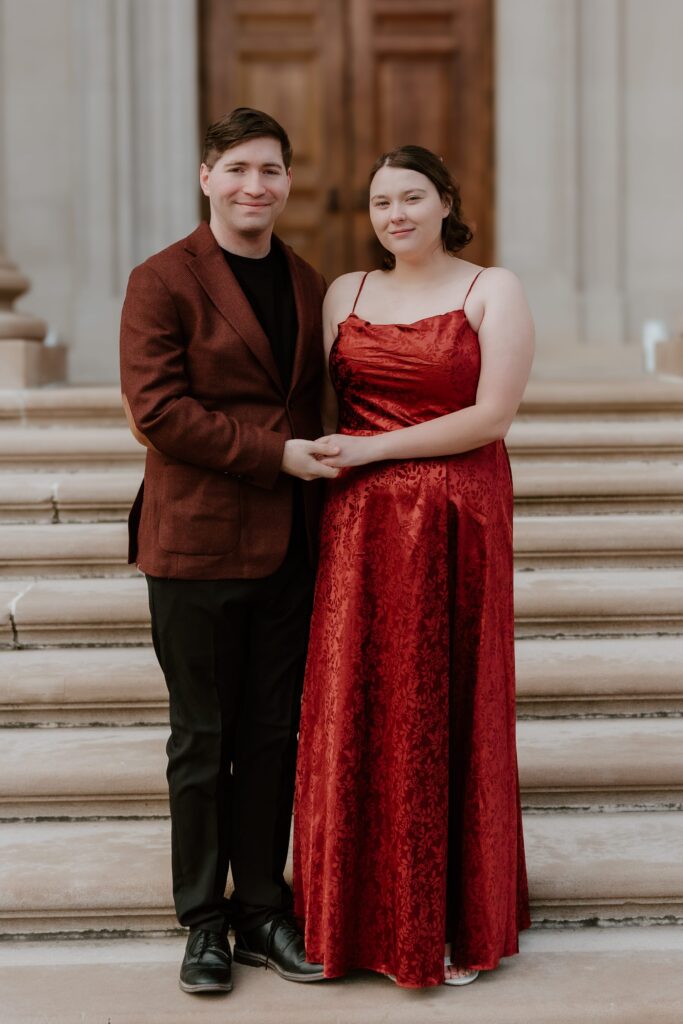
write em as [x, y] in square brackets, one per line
[155, 384]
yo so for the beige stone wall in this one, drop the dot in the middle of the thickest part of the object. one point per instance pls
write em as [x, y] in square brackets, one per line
[100, 154]
[589, 164]
[100, 142]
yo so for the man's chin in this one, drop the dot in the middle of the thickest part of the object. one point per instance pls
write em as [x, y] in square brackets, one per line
[252, 231]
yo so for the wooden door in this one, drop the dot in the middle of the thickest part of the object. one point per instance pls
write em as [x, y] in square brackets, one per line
[350, 79]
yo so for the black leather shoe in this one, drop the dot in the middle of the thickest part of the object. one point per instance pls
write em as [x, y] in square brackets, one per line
[278, 944]
[207, 964]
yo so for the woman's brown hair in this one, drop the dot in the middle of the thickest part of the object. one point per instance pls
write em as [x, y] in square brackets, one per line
[455, 234]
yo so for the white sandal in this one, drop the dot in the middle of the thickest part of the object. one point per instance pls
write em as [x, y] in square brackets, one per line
[465, 979]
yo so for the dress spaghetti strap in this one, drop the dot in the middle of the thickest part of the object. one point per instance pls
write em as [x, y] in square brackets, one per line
[474, 281]
[359, 291]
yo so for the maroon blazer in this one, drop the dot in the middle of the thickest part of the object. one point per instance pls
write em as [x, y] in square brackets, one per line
[203, 387]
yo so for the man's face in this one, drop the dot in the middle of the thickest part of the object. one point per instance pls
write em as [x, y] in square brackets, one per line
[247, 186]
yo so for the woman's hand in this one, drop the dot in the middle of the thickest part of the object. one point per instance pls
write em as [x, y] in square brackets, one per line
[353, 450]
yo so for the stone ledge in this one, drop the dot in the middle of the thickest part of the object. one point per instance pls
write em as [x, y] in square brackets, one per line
[601, 397]
[51, 448]
[121, 685]
[116, 874]
[84, 611]
[124, 685]
[67, 404]
[91, 772]
[596, 541]
[624, 976]
[543, 438]
[548, 602]
[594, 675]
[552, 602]
[64, 549]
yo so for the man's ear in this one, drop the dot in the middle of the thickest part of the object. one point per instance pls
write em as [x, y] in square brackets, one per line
[204, 172]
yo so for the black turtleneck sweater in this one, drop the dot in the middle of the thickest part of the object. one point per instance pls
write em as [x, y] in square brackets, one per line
[267, 284]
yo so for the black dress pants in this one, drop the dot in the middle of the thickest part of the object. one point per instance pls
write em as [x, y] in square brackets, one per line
[233, 654]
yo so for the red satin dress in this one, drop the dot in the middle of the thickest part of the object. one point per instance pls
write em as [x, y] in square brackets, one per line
[407, 828]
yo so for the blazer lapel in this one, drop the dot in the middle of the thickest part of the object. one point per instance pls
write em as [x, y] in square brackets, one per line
[218, 281]
[303, 316]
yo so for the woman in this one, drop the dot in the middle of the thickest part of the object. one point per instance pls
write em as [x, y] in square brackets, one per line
[409, 856]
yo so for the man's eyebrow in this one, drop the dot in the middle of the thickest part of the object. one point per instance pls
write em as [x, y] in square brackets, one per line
[245, 163]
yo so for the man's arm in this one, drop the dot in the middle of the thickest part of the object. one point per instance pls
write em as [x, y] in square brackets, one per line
[165, 417]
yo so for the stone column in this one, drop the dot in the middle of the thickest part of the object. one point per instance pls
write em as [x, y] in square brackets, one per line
[101, 155]
[135, 129]
[21, 334]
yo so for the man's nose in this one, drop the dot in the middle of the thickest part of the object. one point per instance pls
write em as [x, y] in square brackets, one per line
[253, 185]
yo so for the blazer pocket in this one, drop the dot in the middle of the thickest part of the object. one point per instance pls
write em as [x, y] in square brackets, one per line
[198, 534]
[200, 514]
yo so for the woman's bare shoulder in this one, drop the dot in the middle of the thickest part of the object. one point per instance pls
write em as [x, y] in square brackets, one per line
[341, 294]
[495, 278]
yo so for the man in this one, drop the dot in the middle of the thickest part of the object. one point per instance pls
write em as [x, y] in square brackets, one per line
[221, 366]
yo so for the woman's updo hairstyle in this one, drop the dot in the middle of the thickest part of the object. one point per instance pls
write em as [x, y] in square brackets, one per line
[455, 234]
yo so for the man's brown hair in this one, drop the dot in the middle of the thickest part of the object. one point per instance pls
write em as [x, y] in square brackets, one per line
[239, 125]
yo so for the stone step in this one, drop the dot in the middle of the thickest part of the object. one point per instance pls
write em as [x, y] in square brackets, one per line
[625, 540]
[81, 404]
[83, 772]
[597, 486]
[557, 602]
[632, 675]
[82, 686]
[67, 497]
[545, 488]
[549, 602]
[120, 772]
[73, 448]
[77, 406]
[626, 975]
[114, 876]
[78, 611]
[602, 398]
[73, 549]
[599, 762]
[563, 439]
[84, 549]
[94, 447]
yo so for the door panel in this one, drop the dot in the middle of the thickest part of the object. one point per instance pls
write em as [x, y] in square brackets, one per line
[350, 79]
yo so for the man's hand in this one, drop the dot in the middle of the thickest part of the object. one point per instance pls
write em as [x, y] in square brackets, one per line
[301, 458]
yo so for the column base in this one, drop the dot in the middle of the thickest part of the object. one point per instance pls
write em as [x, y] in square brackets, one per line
[30, 364]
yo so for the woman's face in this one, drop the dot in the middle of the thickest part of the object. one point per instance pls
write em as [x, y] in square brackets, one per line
[406, 212]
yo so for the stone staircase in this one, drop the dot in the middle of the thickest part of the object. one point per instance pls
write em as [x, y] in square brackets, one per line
[84, 840]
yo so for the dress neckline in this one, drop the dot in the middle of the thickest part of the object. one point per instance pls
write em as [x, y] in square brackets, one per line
[412, 323]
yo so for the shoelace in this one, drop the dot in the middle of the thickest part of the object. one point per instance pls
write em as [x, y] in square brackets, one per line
[208, 940]
[280, 921]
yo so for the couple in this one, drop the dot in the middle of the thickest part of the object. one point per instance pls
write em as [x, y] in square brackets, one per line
[408, 853]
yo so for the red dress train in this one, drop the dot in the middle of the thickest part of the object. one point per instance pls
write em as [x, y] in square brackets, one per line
[407, 817]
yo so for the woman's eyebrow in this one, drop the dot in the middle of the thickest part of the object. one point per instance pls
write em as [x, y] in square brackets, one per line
[405, 192]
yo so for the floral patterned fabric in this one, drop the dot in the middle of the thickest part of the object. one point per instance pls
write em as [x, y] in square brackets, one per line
[407, 817]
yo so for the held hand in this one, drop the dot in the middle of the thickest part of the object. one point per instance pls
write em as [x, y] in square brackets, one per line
[353, 450]
[304, 459]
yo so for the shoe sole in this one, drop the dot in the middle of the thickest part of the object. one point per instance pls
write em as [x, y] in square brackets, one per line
[216, 986]
[459, 982]
[259, 960]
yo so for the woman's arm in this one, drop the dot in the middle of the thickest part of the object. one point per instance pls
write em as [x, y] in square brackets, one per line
[506, 338]
[336, 307]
